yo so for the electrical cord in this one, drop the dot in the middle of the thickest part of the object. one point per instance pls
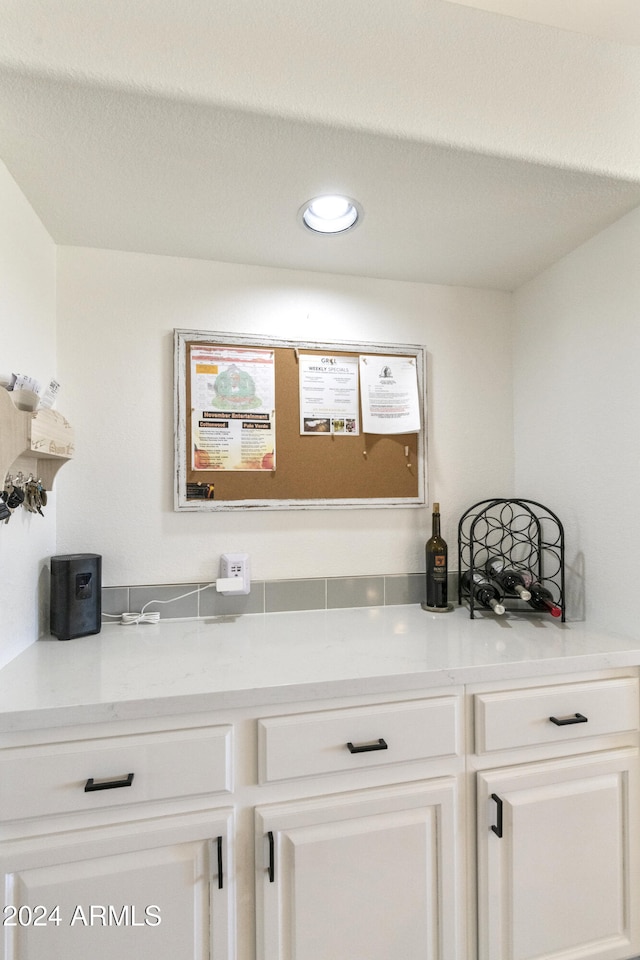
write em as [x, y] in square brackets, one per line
[127, 619]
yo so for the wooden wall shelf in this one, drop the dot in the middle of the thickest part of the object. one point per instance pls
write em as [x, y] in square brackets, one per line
[38, 443]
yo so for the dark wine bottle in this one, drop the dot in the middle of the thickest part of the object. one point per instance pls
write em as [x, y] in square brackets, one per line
[485, 591]
[509, 579]
[541, 597]
[437, 565]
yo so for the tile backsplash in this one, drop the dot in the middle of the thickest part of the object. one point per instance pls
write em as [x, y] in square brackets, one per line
[185, 600]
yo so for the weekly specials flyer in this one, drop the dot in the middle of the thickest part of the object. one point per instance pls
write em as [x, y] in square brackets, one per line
[329, 395]
[232, 408]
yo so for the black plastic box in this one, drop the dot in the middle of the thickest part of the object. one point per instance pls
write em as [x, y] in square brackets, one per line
[76, 595]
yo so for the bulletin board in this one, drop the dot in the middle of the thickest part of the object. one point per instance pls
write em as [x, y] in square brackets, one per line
[366, 470]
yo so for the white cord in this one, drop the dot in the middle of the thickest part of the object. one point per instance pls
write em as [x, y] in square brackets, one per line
[154, 615]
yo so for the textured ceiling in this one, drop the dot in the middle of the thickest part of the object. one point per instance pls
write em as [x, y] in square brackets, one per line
[616, 20]
[126, 132]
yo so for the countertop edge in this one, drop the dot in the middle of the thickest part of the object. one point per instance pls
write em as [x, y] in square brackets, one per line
[193, 703]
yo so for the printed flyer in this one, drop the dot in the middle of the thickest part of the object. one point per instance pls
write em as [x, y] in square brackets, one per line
[232, 408]
[329, 395]
[389, 394]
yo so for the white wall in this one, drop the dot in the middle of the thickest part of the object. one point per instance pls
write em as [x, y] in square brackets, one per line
[577, 413]
[116, 315]
[27, 345]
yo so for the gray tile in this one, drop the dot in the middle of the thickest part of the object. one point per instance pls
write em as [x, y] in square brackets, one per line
[213, 604]
[187, 607]
[283, 595]
[115, 600]
[404, 588]
[273, 596]
[355, 592]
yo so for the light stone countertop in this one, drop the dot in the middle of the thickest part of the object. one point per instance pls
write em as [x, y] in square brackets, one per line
[179, 667]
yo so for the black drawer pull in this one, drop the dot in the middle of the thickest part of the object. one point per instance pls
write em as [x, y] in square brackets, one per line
[497, 827]
[220, 874]
[272, 857]
[92, 785]
[565, 721]
[367, 747]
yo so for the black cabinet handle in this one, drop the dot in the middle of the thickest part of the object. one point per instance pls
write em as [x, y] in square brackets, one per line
[367, 747]
[272, 857]
[92, 785]
[220, 872]
[497, 827]
[565, 721]
[220, 875]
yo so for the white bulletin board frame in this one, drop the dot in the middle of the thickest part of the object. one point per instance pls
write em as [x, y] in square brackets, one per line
[184, 338]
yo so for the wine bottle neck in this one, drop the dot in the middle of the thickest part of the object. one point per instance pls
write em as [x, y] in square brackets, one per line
[435, 524]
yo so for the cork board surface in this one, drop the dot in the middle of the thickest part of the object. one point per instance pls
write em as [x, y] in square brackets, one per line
[311, 469]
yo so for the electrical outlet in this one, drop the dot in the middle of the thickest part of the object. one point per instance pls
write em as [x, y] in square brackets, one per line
[235, 567]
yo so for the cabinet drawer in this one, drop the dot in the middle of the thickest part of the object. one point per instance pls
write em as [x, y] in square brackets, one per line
[53, 778]
[335, 741]
[549, 715]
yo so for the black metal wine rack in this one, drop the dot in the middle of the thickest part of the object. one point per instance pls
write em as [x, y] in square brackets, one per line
[525, 534]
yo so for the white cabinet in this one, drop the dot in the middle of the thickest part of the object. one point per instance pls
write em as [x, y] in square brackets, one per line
[78, 776]
[365, 874]
[396, 827]
[373, 871]
[156, 887]
[558, 841]
[358, 738]
[117, 844]
[557, 714]
[555, 878]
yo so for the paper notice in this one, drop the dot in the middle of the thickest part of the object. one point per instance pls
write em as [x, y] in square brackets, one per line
[389, 394]
[232, 409]
[329, 395]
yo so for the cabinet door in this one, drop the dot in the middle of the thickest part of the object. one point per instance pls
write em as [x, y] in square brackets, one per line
[558, 859]
[371, 874]
[148, 889]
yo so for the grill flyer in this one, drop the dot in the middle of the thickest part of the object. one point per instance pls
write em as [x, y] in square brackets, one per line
[232, 408]
[329, 395]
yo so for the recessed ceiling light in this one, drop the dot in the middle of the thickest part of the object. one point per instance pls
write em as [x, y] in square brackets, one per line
[330, 214]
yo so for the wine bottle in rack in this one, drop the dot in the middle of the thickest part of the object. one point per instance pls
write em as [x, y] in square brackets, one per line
[437, 566]
[509, 579]
[541, 597]
[485, 591]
